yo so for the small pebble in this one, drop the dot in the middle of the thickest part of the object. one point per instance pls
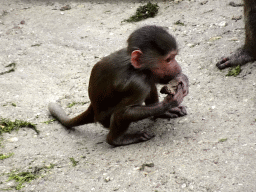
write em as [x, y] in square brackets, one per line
[223, 24]
[14, 139]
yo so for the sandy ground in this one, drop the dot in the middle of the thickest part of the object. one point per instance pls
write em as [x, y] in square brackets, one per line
[54, 52]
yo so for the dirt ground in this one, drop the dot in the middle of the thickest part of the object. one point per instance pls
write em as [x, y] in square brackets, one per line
[212, 149]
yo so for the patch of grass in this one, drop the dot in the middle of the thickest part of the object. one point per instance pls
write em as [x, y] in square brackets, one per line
[1, 140]
[49, 121]
[21, 178]
[144, 12]
[74, 162]
[71, 104]
[9, 103]
[27, 176]
[13, 65]
[51, 166]
[2, 156]
[179, 23]
[234, 71]
[223, 140]
[76, 103]
[36, 45]
[7, 126]
[146, 165]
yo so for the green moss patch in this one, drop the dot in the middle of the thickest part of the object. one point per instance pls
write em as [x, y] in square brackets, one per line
[7, 126]
[12, 66]
[234, 71]
[144, 12]
[73, 161]
[3, 156]
[21, 178]
[223, 140]
[179, 23]
[27, 176]
[76, 103]
[49, 121]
